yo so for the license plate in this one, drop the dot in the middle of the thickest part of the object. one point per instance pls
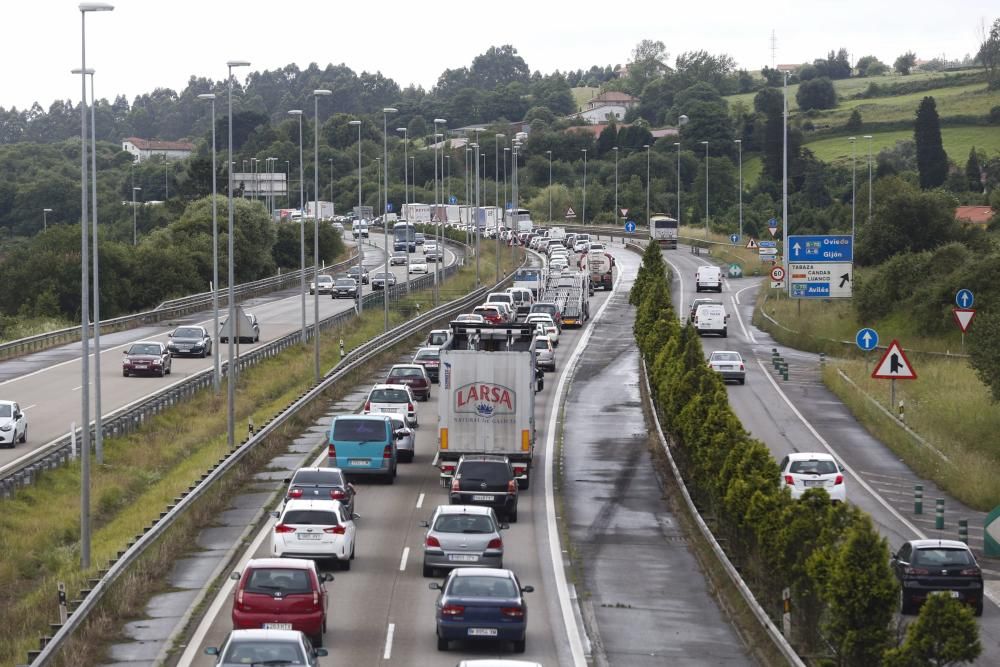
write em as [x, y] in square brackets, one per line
[357, 462]
[141, 366]
[277, 626]
[388, 410]
[463, 558]
[309, 536]
[482, 632]
[817, 482]
[955, 594]
[482, 498]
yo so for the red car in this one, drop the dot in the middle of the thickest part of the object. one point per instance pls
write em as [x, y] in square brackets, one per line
[281, 594]
[146, 357]
[413, 376]
[491, 314]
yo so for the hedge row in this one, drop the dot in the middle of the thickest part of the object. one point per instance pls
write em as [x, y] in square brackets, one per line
[830, 556]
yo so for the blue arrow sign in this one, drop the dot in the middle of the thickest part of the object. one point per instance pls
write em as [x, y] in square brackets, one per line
[734, 238]
[964, 298]
[867, 339]
[817, 249]
[630, 226]
[772, 223]
[388, 208]
[509, 206]
[453, 199]
[767, 244]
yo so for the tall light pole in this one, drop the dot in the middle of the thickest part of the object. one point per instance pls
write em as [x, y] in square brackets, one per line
[549, 153]
[45, 222]
[869, 138]
[406, 200]
[385, 214]
[615, 149]
[135, 234]
[439, 233]
[854, 171]
[475, 223]
[646, 146]
[316, 95]
[302, 226]
[678, 144]
[506, 150]
[215, 257]
[784, 182]
[739, 147]
[706, 189]
[584, 150]
[496, 172]
[361, 247]
[233, 325]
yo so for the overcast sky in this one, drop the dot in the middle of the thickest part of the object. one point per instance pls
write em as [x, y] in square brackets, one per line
[143, 44]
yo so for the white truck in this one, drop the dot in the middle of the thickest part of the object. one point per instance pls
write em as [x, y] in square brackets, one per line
[417, 214]
[325, 208]
[488, 380]
[601, 266]
[519, 220]
[663, 230]
[532, 278]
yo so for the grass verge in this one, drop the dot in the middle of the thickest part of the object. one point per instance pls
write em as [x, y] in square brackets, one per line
[143, 473]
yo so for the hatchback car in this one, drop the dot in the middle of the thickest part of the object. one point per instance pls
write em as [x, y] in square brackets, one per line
[355, 272]
[949, 567]
[802, 471]
[490, 313]
[430, 359]
[189, 341]
[406, 439]
[13, 424]
[728, 364]
[398, 258]
[321, 484]
[413, 376]
[383, 280]
[438, 337]
[471, 318]
[281, 594]
[482, 479]
[148, 357]
[392, 399]
[418, 265]
[266, 647]
[477, 604]
[545, 353]
[316, 529]
[323, 284]
[551, 330]
[344, 288]
[462, 536]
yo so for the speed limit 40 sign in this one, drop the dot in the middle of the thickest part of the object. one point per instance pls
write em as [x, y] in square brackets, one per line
[777, 274]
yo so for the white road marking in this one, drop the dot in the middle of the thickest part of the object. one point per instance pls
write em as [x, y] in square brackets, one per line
[402, 561]
[680, 279]
[420, 501]
[388, 641]
[749, 334]
[78, 388]
[29, 407]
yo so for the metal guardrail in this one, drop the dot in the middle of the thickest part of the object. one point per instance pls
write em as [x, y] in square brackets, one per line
[166, 310]
[23, 471]
[352, 361]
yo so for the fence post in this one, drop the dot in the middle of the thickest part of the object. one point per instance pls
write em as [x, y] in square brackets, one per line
[918, 499]
[963, 530]
[939, 514]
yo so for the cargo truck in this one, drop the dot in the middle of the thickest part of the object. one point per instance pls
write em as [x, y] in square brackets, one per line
[571, 292]
[486, 405]
[600, 265]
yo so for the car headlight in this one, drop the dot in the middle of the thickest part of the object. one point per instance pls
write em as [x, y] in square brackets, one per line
[5, 427]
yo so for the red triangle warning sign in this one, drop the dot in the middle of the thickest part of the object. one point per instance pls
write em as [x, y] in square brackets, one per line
[894, 365]
[964, 317]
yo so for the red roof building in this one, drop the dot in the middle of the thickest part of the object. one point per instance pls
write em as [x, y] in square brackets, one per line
[974, 215]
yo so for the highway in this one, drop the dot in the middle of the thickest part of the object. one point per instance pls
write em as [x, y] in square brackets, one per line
[803, 415]
[47, 384]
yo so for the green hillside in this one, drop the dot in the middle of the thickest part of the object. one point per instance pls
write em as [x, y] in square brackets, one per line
[958, 141]
[583, 94]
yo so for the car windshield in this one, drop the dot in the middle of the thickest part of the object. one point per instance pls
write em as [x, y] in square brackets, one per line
[6, 411]
[383, 275]
[346, 282]
[428, 354]
[405, 373]
[541, 344]
[399, 253]
[325, 477]
[363, 430]
[438, 339]
[263, 652]
[482, 587]
[725, 356]
[189, 332]
[268, 580]
[813, 467]
[388, 396]
[325, 279]
[310, 518]
[144, 349]
[942, 557]
[484, 471]
[473, 524]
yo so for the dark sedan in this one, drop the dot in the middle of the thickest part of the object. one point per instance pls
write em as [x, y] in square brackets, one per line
[949, 567]
[322, 484]
[146, 358]
[414, 376]
[355, 271]
[430, 359]
[477, 604]
[344, 288]
[398, 258]
[383, 280]
[190, 341]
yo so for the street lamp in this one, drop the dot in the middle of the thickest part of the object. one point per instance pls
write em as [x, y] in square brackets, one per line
[869, 138]
[233, 325]
[316, 95]
[215, 256]
[302, 226]
[475, 223]
[678, 144]
[739, 146]
[385, 215]
[584, 150]
[506, 149]
[549, 153]
[361, 247]
[854, 170]
[646, 146]
[406, 202]
[134, 228]
[615, 149]
[706, 189]
[496, 171]
[439, 233]
[45, 222]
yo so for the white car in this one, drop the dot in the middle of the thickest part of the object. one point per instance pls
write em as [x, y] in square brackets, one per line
[597, 247]
[581, 246]
[324, 282]
[802, 471]
[13, 424]
[314, 529]
[418, 265]
[551, 330]
[559, 264]
[392, 399]
[729, 364]
[708, 277]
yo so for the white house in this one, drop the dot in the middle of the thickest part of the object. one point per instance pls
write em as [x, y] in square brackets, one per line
[143, 149]
[609, 105]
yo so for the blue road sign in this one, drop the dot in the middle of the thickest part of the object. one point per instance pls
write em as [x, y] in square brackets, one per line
[964, 298]
[772, 223]
[767, 244]
[867, 339]
[453, 199]
[388, 208]
[735, 238]
[510, 206]
[816, 249]
[630, 226]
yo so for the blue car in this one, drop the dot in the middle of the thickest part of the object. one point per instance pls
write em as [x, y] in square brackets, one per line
[363, 445]
[476, 604]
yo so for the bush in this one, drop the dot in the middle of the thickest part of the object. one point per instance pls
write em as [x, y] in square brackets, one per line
[995, 115]
[816, 94]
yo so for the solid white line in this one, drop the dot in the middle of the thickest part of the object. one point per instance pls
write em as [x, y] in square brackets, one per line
[743, 290]
[739, 318]
[420, 501]
[388, 641]
[402, 561]
[78, 388]
[29, 407]
[555, 548]
[680, 307]
[736, 309]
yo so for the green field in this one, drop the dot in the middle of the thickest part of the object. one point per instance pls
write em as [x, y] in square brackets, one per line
[957, 143]
[583, 94]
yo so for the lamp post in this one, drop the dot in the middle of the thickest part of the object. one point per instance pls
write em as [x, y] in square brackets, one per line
[475, 218]
[302, 227]
[784, 181]
[385, 213]
[615, 149]
[233, 325]
[506, 150]
[854, 170]
[584, 219]
[549, 153]
[45, 222]
[646, 146]
[215, 257]
[316, 95]
[439, 233]
[361, 247]
[134, 227]
[706, 189]
[288, 183]
[869, 138]
[678, 144]
[496, 171]
[84, 298]
[739, 147]
[406, 200]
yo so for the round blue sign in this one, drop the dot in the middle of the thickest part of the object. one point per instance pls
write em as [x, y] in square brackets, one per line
[388, 208]
[630, 226]
[867, 339]
[453, 199]
[734, 238]
[773, 223]
[964, 298]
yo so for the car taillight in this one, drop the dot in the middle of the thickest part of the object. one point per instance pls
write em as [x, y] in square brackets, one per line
[387, 452]
[295, 493]
[789, 480]
[447, 468]
[315, 598]
[916, 571]
[972, 572]
[454, 484]
[495, 543]
[282, 528]
[368, 406]
[239, 599]
[337, 494]
[333, 451]
[741, 367]
[512, 486]
[432, 541]
[409, 407]
[452, 610]
[335, 530]
[512, 612]
[839, 480]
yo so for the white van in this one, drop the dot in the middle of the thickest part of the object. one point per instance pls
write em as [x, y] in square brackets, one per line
[711, 318]
[708, 278]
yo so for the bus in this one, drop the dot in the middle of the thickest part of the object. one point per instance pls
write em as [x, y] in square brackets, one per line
[663, 230]
[404, 237]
